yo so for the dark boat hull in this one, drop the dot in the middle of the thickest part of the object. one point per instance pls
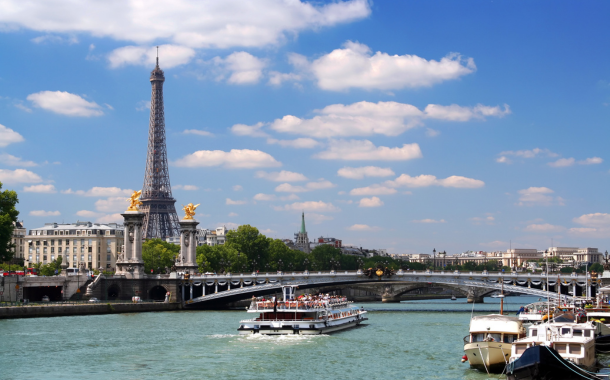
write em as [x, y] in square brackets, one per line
[544, 363]
[602, 344]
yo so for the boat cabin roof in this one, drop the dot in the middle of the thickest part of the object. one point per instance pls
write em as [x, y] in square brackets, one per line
[495, 323]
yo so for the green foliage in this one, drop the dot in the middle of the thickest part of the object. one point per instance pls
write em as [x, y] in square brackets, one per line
[51, 269]
[158, 254]
[220, 259]
[8, 215]
[6, 267]
[567, 270]
[321, 256]
[248, 241]
[596, 267]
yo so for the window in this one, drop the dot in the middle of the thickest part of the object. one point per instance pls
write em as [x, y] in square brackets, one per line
[67, 241]
[90, 241]
[565, 331]
[74, 259]
[37, 249]
[90, 249]
[52, 249]
[89, 257]
[44, 242]
[52, 241]
[77, 232]
[30, 258]
[533, 332]
[82, 249]
[107, 257]
[44, 257]
[574, 348]
[509, 338]
[74, 250]
[60, 242]
[37, 258]
[59, 250]
[37, 242]
[74, 241]
[82, 241]
[577, 333]
[82, 257]
[31, 250]
[44, 250]
[52, 257]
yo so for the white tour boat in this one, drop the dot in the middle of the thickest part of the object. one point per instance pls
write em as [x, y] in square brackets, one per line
[488, 346]
[306, 315]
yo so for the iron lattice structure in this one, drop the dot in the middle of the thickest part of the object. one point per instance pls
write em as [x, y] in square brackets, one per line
[160, 220]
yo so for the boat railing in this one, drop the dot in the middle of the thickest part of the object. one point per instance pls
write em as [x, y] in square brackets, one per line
[467, 339]
[298, 305]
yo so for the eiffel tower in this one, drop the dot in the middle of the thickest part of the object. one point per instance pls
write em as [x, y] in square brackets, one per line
[160, 219]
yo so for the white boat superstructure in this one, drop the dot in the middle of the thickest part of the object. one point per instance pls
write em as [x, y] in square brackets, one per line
[305, 315]
[488, 347]
[534, 313]
[573, 341]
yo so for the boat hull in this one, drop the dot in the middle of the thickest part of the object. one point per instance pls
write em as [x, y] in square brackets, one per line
[544, 363]
[488, 356]
[287, 329]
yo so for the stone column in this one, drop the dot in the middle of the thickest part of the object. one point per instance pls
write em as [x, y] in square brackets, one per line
[130, 262]
[188, 246]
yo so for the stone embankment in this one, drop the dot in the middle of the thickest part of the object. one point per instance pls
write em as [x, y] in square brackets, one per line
[84, 309]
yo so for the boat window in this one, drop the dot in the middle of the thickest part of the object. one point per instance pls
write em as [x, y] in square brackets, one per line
[478, 337]
[565, 331]
[533, 332]
[560, 348]
[509, 338]
[574, 348]
[588, 333]
[577, 332]
[520, 348]
[493, 338]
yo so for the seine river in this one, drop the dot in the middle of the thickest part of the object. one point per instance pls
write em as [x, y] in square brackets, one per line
[409, 340]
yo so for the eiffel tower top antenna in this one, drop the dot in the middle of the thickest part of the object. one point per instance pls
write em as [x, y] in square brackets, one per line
[157, 56]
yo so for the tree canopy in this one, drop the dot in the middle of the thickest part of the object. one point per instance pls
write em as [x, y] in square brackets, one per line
[8, 215]
[158, 254]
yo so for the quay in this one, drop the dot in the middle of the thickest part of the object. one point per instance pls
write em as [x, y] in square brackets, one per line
[63, 310]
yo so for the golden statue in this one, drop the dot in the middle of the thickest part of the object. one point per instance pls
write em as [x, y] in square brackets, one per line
[134, 201]
[189, 211]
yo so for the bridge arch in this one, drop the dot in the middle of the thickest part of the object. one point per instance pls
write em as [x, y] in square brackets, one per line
[113, 292]
[157, 293]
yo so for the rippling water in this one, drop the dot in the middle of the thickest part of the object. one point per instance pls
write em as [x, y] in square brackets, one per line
[410, 340]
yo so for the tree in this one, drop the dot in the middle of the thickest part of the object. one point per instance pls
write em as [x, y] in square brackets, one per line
[158, 254]
[8, 215]
[248, 241]
[321, 256]
[51, 269]
[596, 267]
[219, 259]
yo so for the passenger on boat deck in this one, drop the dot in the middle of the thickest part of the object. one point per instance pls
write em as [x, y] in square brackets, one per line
[521, 310]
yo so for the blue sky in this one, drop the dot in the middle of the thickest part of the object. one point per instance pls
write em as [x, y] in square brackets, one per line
[400, 125]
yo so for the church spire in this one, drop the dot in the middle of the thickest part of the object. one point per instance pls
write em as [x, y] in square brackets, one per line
[303, 231]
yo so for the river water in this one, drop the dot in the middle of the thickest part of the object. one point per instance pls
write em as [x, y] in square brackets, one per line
[409, 340]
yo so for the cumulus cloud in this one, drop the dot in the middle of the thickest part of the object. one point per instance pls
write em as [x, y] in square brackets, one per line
[65, 103]
[495, 244]
[300, 143]
[315, 218]
[543, 228]
[185, 187]
[234, 159]
[310, 186]
[238, 188]
[255, 130]
[364, 171]
[100, 192]
[44, 213]
[233, 214]
[385, 118]
[426, 180]
[531, 153]
[89, 214]
[591, 161]
[197, 132]
[10, 160]
[110, 218]
[277, 78]
[281, 176]
[264, 197]
[197, 24]
[318, 206]
[170, 56]
[239, 68]
[597, 219]
[370, 202]
[562, 163]
[363, 227]
[18, 176]
[231, 202]
[8, 136]
[373, 190]
[48, 38]
[355, 66]
[366, 150]
[48, 189]
[112, 204]
[429, 221]
[537, 196]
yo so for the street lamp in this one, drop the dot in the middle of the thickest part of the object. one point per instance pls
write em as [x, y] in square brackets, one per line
[434, 259]
[306, 264]
[280, 265]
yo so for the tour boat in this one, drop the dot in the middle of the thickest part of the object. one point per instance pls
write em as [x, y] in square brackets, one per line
[304, 315]
[557, 350]
[488, 346]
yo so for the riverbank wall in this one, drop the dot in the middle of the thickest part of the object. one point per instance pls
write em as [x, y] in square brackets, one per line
[84, 309]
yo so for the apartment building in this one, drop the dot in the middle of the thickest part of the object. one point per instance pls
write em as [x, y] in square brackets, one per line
[18, 241]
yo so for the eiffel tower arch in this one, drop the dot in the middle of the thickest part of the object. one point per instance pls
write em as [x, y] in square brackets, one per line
[158, 204]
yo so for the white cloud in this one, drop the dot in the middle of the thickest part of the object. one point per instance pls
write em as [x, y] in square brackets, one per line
[198, 24]
[281, 176]
[111, 218]
[264, 197]
[597, 219]
[366, 150]
[591, 161]
[237, 188]
[373, 190]
[44, 213]
[248, 130]
[543, 228]
[426, 180]
[354, 66]
[88, 214]
[197, 132]
[8, 136]
[112, 204]
[65, 103]
[277, 78]
[478, 220]
[503, 160]
[48, 189]
[169, 56]
[143, 105]
[234, 159]
[315, 218]
[300, 143]
[233, 214]
[370, 202]
[590, 232]
[364, 171]
[495, 244]
[429, 221]
[229, 201]
[19, 104]
[562, 163]
[318, 206]
[290, 197]
[267, 231]
[528, 153]
[240, 67]
[48, 38]
[10, 160]
[310, 186]
[100, 192]
[363, 227]
[432, 132]
[185, 187]
[537, 196]
[385, 118]
[18, 176]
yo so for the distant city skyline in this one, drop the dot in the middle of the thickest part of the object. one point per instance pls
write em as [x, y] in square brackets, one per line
[399, 125]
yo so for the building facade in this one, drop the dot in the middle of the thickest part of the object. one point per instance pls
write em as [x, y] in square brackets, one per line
[18, 242]
[96, 245]
[301, 241]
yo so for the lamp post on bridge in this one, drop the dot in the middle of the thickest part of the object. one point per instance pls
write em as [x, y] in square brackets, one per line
[434, 259]
[306, 264]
